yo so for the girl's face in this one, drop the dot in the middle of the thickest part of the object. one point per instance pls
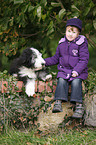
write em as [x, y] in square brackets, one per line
[71, 33]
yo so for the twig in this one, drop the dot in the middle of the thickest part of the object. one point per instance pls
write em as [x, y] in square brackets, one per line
[28, 35]
[7, 110]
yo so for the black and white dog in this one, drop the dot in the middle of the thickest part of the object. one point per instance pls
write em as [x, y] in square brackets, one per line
[28, 67]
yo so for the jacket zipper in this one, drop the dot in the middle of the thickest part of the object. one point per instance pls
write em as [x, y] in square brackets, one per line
[68, 52]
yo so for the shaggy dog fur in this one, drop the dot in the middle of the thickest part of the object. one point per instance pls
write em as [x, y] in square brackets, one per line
[28, 67]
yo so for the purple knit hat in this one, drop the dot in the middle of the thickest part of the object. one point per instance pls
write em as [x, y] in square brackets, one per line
[74, 22]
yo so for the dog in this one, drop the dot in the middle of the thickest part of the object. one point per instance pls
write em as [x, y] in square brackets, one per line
[28, 67]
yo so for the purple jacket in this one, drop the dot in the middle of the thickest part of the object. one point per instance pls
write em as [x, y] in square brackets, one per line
[71, 56]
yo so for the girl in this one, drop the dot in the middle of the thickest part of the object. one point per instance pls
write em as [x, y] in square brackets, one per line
[72, 57]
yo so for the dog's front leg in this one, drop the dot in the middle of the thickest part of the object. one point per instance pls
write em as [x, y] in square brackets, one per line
[30, 87]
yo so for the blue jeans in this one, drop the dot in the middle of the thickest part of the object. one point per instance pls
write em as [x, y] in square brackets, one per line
[61, 92]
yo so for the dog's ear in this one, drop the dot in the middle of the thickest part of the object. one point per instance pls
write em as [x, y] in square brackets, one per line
[25, 55]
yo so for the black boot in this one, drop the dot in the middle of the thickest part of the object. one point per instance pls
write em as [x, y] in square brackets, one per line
[57, 107]
[79, 111]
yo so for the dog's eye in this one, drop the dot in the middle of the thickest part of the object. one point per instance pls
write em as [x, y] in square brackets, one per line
[34, 56]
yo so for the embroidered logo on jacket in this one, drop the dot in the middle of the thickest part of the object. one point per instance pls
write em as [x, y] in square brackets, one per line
[75, 52]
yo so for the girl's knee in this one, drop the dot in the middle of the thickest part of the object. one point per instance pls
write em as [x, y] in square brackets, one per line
[77, 82]
[62, 81]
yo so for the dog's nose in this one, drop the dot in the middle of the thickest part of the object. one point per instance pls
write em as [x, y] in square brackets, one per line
[43, 64]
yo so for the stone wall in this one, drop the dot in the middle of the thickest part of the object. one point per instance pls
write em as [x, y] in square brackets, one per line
[90, 107]
[52, 120]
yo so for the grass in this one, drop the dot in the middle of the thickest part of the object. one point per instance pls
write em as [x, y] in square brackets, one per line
[61, 137]
[20, 138]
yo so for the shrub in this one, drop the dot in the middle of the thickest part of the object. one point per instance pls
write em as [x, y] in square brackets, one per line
[90, 82]
[16, 108]
[21, 111]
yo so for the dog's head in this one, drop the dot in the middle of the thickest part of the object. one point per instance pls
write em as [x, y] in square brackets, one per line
[32, 58]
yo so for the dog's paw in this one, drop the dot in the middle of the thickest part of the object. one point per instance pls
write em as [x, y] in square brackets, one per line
[30, 93]
[48, 77]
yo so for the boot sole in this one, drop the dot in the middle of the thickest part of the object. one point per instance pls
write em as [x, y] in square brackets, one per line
[57, 111]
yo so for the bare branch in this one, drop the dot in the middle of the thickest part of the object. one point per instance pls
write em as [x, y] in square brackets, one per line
[28, 35]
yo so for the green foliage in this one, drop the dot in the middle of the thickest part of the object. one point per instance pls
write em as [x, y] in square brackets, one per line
[25, 23]
[90, 83]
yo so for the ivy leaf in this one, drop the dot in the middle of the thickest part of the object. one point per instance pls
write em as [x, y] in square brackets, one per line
[55, 4]
[44, 17]
[44, 2]
[30, 8]
[18, 1]
[86, 11]
[39, 12]
[62, 13]
[94, 23]
[88, 27]
[74, 7]
[24, 9]
[50, 28]
[11, 22]
[94, 12]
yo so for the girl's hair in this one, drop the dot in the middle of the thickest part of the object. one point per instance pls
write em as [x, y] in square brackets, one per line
[71, 27]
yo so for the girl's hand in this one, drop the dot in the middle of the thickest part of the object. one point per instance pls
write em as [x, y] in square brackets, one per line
[74, 74]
